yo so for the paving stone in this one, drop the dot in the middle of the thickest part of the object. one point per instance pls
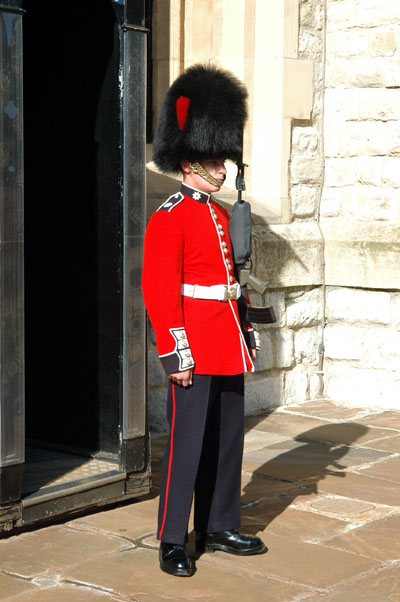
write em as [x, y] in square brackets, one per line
[380, 586]
[67, 593]
[136, 575]
[327, 409]
[362, 487]
[389, 470]
[350, 511]
[329, 536]
[343, 506]
[254, 488]
[284, 424]
[301, 462]
[390, 420]
[58, 546]
[136, 520]
[258, 439]
[13, 586]
[280, 519]
[310, 564]
[379, 540]
[391, 444]
[345, 433]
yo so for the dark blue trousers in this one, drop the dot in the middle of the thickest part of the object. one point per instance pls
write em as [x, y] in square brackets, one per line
[203, 456]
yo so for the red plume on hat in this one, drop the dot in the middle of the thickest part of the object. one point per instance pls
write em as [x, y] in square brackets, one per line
[202, 117]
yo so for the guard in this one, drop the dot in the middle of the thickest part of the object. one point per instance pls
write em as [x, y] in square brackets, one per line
[191, 296]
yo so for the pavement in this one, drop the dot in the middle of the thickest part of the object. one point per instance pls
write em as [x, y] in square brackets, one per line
[321, 486]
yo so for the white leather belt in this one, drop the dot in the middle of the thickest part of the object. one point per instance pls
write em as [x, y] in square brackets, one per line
[218, 292]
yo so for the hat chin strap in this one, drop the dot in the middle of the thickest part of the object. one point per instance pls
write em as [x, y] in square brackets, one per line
[201, 171]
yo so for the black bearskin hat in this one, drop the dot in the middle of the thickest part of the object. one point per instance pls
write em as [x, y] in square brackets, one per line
[202, 117]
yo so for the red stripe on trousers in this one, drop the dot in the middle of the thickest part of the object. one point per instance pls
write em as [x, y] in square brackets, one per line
[171, 451]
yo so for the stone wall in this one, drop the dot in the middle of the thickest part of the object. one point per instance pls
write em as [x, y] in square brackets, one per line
[362, 346]
[306, 164]
[333, 268]
[360, 209]
[290, 257]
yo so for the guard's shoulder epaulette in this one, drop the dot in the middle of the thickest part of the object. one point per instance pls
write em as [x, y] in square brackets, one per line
[171, 202]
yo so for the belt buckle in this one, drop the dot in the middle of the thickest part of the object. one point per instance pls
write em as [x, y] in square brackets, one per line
[230, 293]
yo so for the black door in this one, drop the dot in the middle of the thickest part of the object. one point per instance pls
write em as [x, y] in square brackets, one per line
[72, 225]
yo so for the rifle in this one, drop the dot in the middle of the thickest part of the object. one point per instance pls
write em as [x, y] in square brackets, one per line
[240, 233]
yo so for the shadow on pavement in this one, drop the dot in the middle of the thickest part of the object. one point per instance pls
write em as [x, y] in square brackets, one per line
[293, 468]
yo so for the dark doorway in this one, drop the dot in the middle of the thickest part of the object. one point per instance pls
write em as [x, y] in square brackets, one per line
[71, 225]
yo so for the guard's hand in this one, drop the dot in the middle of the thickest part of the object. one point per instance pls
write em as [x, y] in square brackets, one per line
[183, 379]
[253, 353]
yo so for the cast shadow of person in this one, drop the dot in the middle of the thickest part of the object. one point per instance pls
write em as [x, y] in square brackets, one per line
[296, 470]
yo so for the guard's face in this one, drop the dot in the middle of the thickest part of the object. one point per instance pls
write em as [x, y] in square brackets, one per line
[215, 167]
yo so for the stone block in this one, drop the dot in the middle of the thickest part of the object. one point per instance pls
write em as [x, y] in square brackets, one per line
[311, 15]
[305, 140]
[369, 170]
[296, 385]
[391, 171]
[316, 386]
[339, 172]
[305, 309]
[353, 43]
[264, 393]
[355, 386]
[304, 200]
[284, 348]
[358, 306]
[331, 202]
[391, 71]
[335, 138]
[288, 254]
[343, 342]
[341, 15]
[365, 73]
[363, 255]
[341, 104]
[375, 539]
[310, 45]
[306, 345]
[395, 310]
[298, 76]
[305, 170]
[393, 142]
[379, 103]
[384, 43]
[265, 355]
[381, 349]
[367, 137]
[337, 74]
[371, 13]
[275, 299]
[366, 203]
[64, 547]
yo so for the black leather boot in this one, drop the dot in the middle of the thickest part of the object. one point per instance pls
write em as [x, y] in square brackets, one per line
[231, 542]
[174, 560]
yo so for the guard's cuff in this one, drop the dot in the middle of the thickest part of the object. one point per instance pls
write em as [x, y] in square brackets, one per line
[181, 358]
[254, 339]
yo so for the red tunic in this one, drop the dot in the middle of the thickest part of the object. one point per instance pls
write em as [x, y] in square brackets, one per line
[187, 241]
